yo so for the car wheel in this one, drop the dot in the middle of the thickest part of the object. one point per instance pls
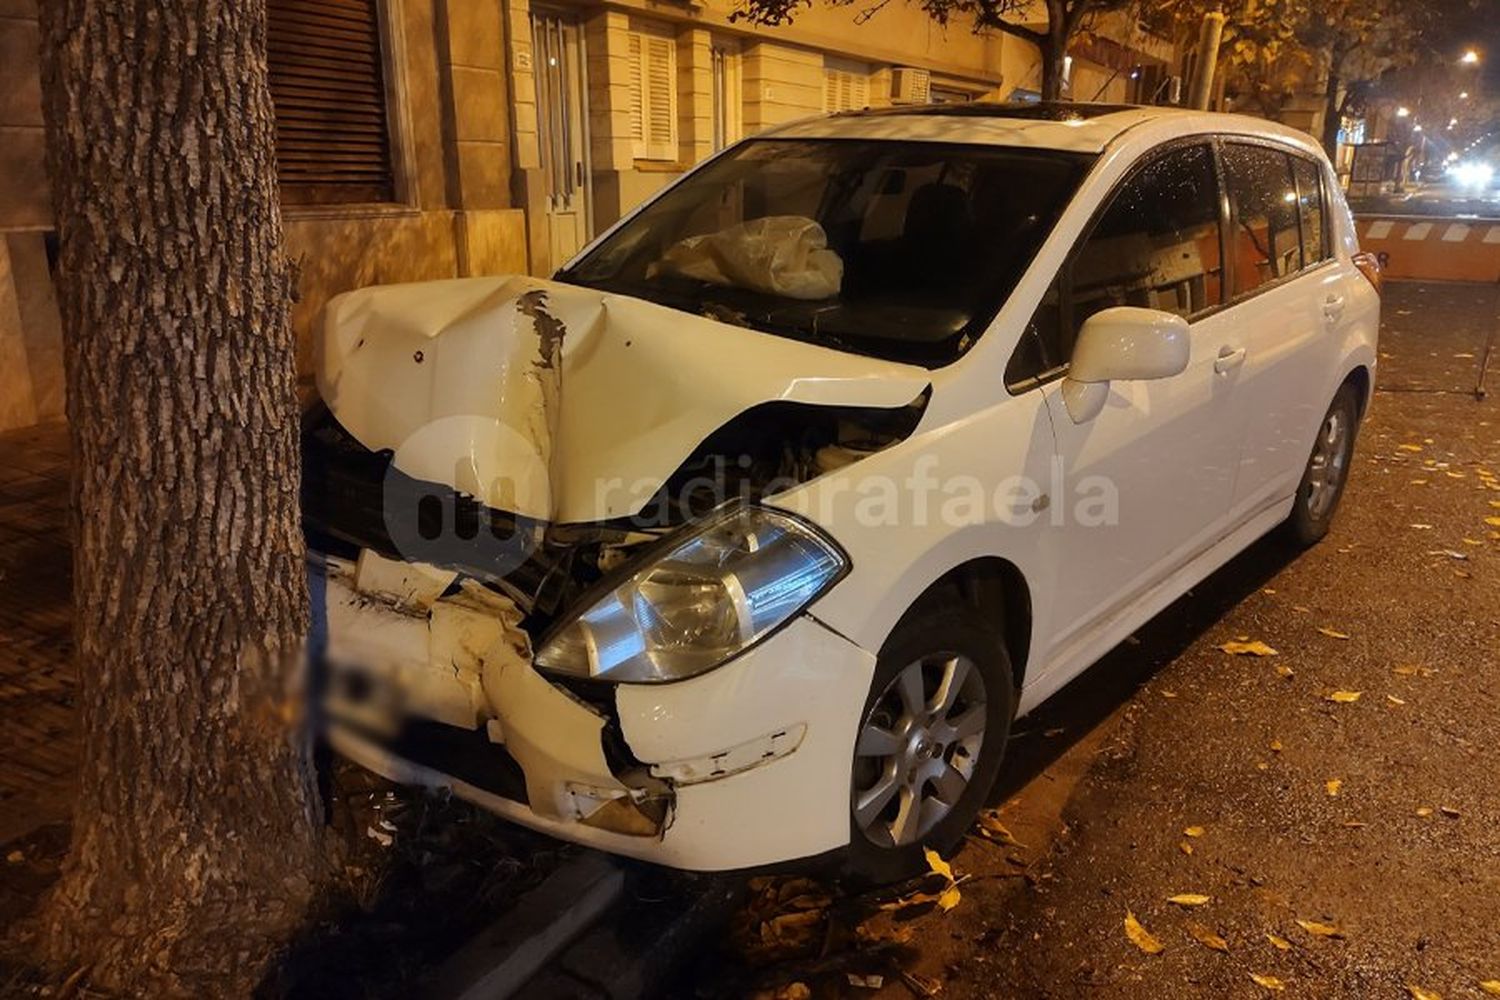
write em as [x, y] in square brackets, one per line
[929, 745]
[1327, 470]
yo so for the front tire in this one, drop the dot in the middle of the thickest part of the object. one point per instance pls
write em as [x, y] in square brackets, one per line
[1327, 470]
[930, 743]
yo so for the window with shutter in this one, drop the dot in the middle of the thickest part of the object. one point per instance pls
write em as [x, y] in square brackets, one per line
[652, 93]
[327, 75]
[845, 88]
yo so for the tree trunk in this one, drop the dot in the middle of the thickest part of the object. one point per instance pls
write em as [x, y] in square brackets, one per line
[196, 838]
[1054, 52]
[1332, 115]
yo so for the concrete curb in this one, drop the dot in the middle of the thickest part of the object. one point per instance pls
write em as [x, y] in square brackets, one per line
[499, 960]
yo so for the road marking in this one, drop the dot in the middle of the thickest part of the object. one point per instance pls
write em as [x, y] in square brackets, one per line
[1380, 230]
[1457, 233]
[1418, 231]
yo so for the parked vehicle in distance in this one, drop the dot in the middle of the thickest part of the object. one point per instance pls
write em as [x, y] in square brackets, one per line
[747, 536]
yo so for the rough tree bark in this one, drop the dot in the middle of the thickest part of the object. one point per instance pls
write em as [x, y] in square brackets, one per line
[196, 836]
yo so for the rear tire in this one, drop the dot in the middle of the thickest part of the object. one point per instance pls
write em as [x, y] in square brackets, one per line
[920, 776]
[1327, 471]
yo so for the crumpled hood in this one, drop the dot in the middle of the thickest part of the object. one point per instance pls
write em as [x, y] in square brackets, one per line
[461, 379]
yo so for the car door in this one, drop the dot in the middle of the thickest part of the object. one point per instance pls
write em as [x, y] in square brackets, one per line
[1286, 301]
[1161, 455]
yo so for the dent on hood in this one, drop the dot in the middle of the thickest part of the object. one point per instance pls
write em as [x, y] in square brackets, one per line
[566, 404]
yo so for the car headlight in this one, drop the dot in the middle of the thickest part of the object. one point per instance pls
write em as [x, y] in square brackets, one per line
[717, 590]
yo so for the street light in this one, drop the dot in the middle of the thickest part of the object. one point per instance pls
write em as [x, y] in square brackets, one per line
[1469, 58]
[1463, 95]
[1403, 112]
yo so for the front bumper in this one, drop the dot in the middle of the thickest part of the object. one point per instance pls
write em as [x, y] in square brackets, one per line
[743, 766]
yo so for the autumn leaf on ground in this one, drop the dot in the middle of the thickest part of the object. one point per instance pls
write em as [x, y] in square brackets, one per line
[1394, 700]
[1268, 982]
[1334, 785]
[991, 827]
[1333, 633]
[1279, 943]
[949, 898]
[1239, 647]
[1409, 447]
[1320, 930]
[1185, 848]
[1424, 811]
[1493, 522]
[937, 864]
[1285, 671]
[1344, 697]
[1139, 936]
[1193, 831]
[1188, 899]
[1417, 993]
[1491, 987]
[1206, 937]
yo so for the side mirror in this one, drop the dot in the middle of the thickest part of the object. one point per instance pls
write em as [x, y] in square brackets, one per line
[1125, 342]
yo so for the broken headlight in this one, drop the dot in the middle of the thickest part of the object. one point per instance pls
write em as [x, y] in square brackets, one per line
[718, 588]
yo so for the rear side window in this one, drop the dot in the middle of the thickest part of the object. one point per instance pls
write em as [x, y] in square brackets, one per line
[1310, 208]
[1266, 238]
[1156, 244]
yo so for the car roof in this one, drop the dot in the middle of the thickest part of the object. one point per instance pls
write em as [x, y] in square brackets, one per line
[1062, 125]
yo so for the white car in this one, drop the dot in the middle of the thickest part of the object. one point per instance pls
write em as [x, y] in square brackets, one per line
[747, 537]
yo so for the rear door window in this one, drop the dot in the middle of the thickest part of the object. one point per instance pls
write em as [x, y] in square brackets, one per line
[1310, 208]
[1266, 238]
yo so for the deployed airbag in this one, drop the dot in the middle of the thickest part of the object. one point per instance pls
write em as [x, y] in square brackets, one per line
[778, 255]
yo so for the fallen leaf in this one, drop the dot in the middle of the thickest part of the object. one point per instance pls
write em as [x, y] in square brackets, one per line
[937, 864]
[991, 827]
[1424, 811]
[1417, 482]
[1185, 847]
[1394, 700]
[15, 857]
[1491, 986]
[1417, 993]
[1333, 633]
[1409, 447]
[1320, 930]
[1280, 943]
[949, 898]
[1301, 608]
[1344, 697]
[1285, 671]
[1354, 824]
[1449, 811]
[1188, 899]
[1193, 831]
[1268, 982]
[1237, 647]
[1334, 785]
[1272, 590]
[1139, 936]
[793, 991]
[1422, 527]
[1207, 938]
[1493, 522]
[1276, 746]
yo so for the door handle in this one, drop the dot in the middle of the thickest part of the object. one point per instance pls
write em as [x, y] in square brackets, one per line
[1333, 307]
[1229, 359]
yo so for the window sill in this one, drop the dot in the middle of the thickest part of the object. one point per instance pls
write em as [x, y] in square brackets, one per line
[659, 166]
[353, 210]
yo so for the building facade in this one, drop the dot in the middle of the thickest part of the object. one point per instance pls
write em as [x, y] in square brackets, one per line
[422, 139]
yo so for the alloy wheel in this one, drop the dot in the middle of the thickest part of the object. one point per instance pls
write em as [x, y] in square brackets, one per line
[917, 749]
[1329, 464]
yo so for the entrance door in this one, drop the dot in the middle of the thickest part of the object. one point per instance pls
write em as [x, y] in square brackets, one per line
[557, 43]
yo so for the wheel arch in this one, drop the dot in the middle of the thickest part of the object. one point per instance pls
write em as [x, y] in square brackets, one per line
[1359, 377]
[996, 588]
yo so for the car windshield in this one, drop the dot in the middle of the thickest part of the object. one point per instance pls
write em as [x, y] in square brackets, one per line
[900, 250]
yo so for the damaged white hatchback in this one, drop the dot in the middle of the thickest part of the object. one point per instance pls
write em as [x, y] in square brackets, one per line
[746, 537]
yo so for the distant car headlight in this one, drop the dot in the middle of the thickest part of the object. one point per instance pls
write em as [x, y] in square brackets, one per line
[720, 587]
[1472, 174]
